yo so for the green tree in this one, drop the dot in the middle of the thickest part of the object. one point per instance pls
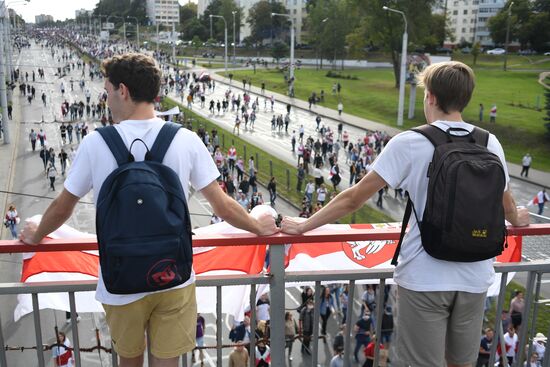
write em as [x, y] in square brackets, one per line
[122, 8]
[188, 12]
[225, 8]
[197, 43]
[476, 50]
[385, 29]
[193, 28]
[520, 15]
[262, 24]
[279, 50]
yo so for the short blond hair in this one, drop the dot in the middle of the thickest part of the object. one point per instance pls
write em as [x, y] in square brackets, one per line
[452, 83]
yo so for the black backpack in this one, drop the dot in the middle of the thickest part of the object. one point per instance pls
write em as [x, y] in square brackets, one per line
[463, 219]
[142, 220]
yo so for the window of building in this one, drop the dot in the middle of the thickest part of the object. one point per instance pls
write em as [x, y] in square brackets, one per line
[294, 11]
[455, 3]
[455, 12]
[295, 2]
[463, 30]
[465, 11]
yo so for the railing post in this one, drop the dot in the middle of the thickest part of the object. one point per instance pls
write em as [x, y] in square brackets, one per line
[258, 161]
[219, 326]
[535, 315]
[252, 346]
[277, 288]
[114, 356]
[379, 311]
[74, 327]
[184, 360]
[498, 317]
[3, 361]
[524, 329]
[223, 140]
[245, 156]
[270, 168]
[38, 330]
[316, 315]
[348, 330]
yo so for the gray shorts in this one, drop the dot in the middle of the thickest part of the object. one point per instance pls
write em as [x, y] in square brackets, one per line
[434, 327]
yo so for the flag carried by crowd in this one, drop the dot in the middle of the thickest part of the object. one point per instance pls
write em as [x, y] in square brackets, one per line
[220, 260]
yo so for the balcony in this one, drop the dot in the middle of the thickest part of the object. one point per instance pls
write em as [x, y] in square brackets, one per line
[277, 279]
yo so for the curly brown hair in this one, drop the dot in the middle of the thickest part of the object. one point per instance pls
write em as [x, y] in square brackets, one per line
[138, 72]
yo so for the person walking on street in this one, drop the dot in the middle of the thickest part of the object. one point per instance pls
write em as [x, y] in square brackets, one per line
[340, 108]
[272, 189]
[45, 156]
[168, 316]
[481, 109]
[63, 160]
[32, 139]
[51, 174]
[525, 165]
[541, 198]
[11, 220]
[440, 317]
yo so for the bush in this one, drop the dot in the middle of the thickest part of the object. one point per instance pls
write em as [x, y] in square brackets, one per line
[332, 74]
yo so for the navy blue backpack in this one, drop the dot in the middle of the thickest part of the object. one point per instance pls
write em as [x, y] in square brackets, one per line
[142, 220]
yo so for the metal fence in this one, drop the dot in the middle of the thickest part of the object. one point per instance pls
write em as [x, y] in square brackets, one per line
[277, 279]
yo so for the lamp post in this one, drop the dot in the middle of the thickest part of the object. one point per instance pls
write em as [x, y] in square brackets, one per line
[507, 35]
[137, 29]
[401, 107]
[234, 39]
[291, 66]
[225, 24]
[123, 24]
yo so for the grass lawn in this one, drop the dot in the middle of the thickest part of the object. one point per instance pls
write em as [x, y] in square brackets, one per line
[281, 170]
[515, 62]
[373, 96]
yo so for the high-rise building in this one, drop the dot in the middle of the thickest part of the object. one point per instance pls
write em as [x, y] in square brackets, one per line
[163, 11]
[296, 8]
[82, 13]
[468, 19]
[43, 18]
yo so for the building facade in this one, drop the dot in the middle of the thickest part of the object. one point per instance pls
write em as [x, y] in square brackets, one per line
[165, 12]
[83, 13]
[468, 20]
[43, 18]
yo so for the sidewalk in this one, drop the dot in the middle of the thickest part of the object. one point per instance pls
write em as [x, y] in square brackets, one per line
[8, 161]
[536, 177]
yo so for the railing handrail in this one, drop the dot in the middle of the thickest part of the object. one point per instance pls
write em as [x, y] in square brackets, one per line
[245, 238]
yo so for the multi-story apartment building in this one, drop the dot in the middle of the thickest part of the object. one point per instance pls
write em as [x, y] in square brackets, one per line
[468, 19]
[163, 11]
[43, 18]
[297, 10]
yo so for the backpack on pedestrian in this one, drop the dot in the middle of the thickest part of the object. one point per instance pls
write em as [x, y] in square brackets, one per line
[463, 219]
[142, 220]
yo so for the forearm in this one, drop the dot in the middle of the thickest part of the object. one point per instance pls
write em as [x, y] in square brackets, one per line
[54, 216]
[340, 206]
[234, 214]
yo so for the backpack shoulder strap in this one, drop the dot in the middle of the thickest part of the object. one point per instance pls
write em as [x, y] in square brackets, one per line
[163, 141]
[481, 136]
[115, 144]
[435, 135]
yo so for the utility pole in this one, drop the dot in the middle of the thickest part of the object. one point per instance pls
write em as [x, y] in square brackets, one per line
[507, 35]
[3, 98]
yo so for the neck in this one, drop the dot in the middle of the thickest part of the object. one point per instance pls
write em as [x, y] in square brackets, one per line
[436, 115]
[139, 111]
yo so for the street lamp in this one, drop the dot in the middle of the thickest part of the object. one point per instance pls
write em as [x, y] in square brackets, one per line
[507, 34]
[234, 40]
[137, 29]
[401, 107]
[123, 24]
[225, 24]
[291, 66]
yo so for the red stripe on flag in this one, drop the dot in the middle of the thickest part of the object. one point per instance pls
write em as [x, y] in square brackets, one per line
[60, 262]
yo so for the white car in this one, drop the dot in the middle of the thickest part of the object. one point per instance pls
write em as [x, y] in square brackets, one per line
[547, 54]
[496, 51]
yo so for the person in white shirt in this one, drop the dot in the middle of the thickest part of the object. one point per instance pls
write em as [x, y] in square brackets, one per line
[525, 165]
[440, 302]
[169, 315]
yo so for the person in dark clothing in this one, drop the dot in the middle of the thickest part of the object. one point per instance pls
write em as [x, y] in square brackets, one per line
[306, 325]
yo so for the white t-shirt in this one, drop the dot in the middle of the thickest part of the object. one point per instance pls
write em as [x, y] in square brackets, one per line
[94, 161]
[403, 164]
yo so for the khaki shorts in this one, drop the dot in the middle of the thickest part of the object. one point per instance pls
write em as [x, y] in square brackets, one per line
[170, 317]
[434, 327]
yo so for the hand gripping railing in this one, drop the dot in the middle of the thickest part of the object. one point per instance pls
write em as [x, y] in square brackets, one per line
[276, 279]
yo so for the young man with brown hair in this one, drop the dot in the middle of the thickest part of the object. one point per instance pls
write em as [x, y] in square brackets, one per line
[440, 303]
[132, 82]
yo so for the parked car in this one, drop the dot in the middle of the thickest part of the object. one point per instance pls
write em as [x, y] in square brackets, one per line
[496, 51]
[466, 50]
[444, 50]
[526, 52]
[547, 53]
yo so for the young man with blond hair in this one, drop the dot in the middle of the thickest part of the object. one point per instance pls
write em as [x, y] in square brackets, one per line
[132, 82]
[440, 303]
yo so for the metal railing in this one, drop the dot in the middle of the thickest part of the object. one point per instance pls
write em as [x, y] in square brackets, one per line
[276, 280]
